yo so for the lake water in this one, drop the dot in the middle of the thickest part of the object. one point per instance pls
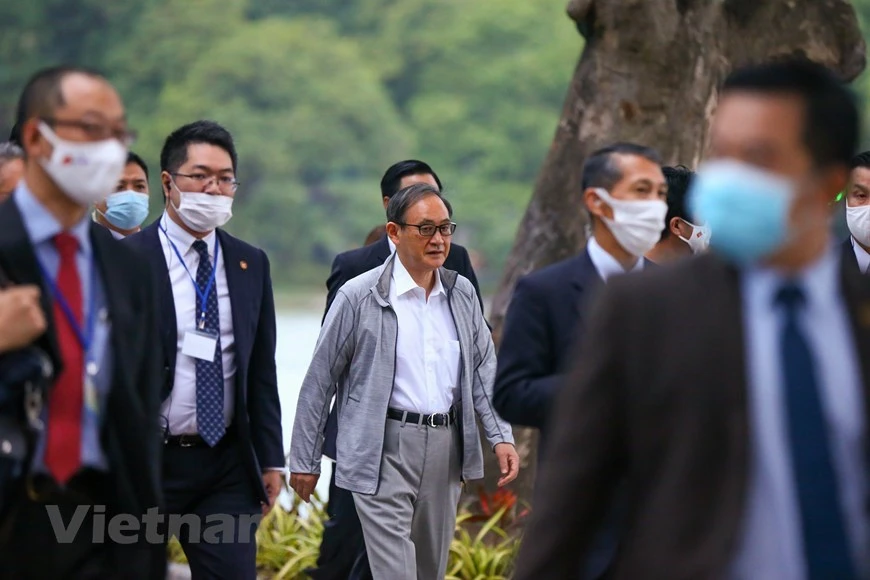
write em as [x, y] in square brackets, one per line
[297, 335]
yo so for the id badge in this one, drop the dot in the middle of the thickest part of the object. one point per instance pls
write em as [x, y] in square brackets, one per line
[199, 344]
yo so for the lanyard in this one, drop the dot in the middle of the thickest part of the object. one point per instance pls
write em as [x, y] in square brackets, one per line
[203, 294]
[86, 335]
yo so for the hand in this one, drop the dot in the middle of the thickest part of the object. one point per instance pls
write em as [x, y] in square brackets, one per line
[303, 484]
[508, 462]
[273, 482]
[21, 317]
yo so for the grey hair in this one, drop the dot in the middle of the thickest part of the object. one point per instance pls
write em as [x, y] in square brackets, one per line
[406, 198]
[10, 151]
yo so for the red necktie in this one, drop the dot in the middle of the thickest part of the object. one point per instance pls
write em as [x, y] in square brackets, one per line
[63, 448]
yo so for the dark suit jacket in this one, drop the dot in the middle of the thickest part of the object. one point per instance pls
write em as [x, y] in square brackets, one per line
[257, 406]
[658, 401]
[544, 319]
[848, 255]
[348, 265]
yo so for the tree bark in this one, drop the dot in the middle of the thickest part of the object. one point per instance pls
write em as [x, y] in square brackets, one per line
[649, 74]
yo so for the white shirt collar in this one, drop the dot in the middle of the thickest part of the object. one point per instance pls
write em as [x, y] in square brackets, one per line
[819, 280]
[604, 263]
[404, 283]
[862, 256]
[392, 245]
[182, 239]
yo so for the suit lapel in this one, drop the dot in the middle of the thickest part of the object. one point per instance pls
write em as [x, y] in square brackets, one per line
[586, 281]
[236, 267]
[168, 324]
[18, 260]
[849, 260]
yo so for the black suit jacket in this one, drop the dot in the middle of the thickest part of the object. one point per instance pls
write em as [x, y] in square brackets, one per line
[130, 435]
[658, 401]
[546, 316]
[848, 255]
[257, 406]
[348, 265]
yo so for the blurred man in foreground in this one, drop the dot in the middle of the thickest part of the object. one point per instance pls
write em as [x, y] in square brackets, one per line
[100, 445]
[729, 393]
[681, 238]
[125, 210]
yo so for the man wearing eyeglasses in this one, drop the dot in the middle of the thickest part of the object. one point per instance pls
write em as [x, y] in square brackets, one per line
[413, 360]
[97, 455]
[223, 449]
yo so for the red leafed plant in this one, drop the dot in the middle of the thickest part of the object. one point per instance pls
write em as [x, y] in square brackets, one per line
[500, 500]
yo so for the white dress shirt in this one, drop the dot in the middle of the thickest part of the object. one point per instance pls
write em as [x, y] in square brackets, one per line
[180, 407]
[391, 244]
[605, 264]
[771, 544]
[862, 256]
[427, 346]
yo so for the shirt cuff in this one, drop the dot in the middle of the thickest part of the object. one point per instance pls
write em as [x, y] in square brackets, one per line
[281, 469]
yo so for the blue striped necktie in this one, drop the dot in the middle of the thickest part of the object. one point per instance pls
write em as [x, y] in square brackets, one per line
[209, 374]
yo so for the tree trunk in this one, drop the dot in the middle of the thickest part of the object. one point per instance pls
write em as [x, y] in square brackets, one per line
[649, 74]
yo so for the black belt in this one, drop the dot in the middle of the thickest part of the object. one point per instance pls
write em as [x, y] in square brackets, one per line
[433, 420]
[186, 441]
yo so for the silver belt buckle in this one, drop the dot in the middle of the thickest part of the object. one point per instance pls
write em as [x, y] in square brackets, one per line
[186, 441]
[431, 420]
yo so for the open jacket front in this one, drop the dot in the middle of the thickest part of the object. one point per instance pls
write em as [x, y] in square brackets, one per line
[357, 352]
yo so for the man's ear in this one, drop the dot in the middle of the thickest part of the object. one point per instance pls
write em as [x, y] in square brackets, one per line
[674, 226]
[393, 231]
[592, 201]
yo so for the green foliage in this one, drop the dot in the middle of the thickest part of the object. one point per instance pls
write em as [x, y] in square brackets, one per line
[323, 95]
[288, 543]
[489, 555]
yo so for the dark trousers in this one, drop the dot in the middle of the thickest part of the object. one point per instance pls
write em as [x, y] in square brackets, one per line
[342, 550]
[209, 485]
[67, 535]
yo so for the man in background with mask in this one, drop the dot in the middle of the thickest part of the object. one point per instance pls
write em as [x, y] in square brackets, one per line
[728, 393]
[624, 191]
[125, 210]
[100, 445]
[856, 249]
[681, 237]
[11, 168]
[223, 451]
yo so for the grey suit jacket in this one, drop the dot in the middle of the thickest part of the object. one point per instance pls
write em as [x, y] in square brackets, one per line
[357, 352]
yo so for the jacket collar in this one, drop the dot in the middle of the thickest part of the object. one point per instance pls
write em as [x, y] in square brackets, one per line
[381, 289]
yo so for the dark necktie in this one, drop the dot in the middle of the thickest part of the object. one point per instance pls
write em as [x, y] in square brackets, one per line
[826, 549]
[63, 445]
[209, 374]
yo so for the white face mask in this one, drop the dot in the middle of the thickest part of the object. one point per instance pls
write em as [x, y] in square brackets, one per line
[203, 212]
[84, 171]
[700, 238]
[636, 225]
[858, 220]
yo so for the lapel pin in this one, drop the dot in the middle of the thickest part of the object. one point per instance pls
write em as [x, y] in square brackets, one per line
[244, 265]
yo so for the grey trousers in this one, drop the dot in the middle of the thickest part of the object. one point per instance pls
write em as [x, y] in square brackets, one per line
[409, 522]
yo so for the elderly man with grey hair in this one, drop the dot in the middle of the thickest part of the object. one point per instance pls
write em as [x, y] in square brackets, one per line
[11, 168]
[413, 361]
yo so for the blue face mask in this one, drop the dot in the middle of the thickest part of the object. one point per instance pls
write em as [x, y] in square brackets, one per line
[747, 208]
[126, 210]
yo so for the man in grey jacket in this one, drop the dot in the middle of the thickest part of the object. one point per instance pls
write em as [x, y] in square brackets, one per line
[413, 360]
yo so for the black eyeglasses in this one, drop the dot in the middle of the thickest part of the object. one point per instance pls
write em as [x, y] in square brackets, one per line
[95, 131]
[428, 230]
[225, 183]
